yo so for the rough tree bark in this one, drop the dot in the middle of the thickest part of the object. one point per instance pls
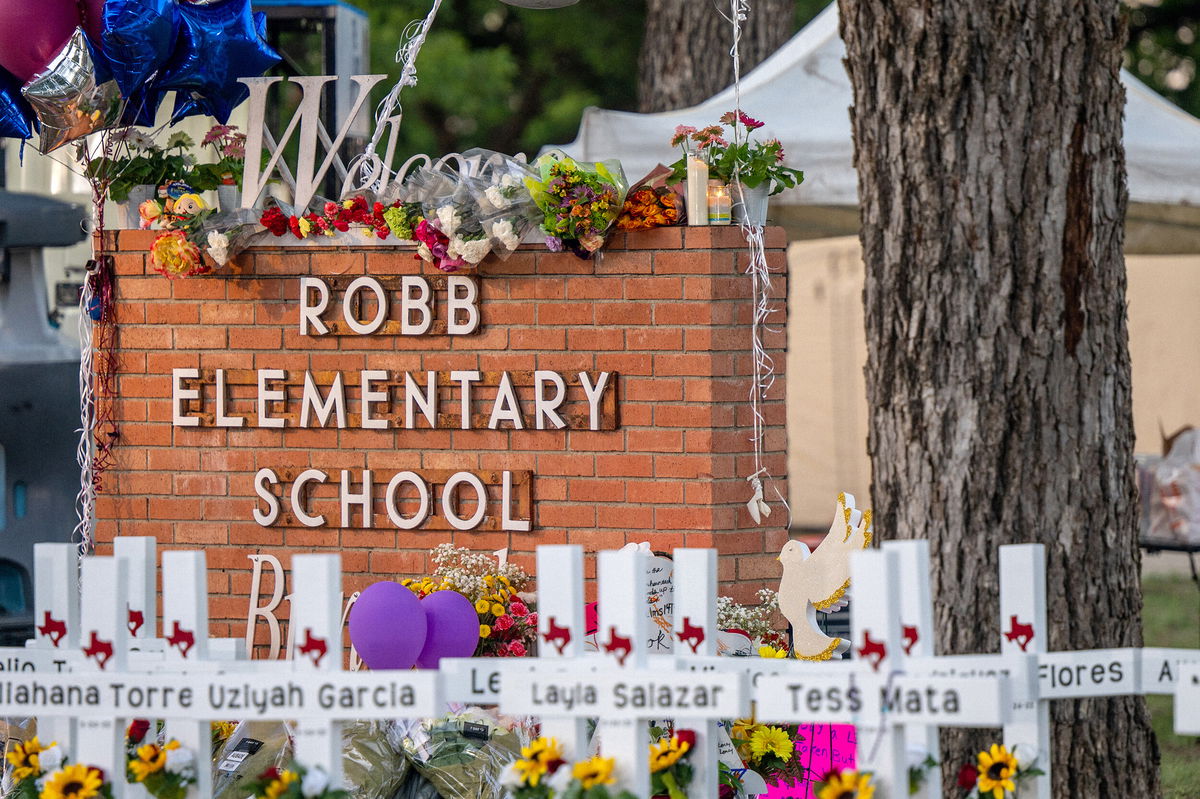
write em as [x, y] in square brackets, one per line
[992, 190]
[685, 54]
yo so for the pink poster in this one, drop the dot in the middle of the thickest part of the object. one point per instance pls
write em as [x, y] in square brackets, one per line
[823, 747]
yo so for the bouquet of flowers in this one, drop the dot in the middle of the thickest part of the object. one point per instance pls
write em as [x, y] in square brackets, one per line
[770, 750]
[652, 203]
[507, 624]
[753, 162]
[41, 772]
[451, 236]
[504, 205]
[294, 782]
[138, 161]
[165, 771]
[670, 769]
[579, 201]
[753, 621]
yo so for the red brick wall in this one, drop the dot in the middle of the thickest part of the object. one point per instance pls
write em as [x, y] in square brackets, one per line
[669, 310]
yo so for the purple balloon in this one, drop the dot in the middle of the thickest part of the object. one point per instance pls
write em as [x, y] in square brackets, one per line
[388, 626]
[31, 34]
[453, 628]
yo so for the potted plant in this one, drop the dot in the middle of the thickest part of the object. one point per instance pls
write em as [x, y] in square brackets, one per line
[135, 167]
[225, 175]
[756, 165]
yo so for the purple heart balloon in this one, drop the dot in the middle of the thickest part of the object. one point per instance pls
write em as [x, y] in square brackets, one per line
[453, 628]
[388, 626]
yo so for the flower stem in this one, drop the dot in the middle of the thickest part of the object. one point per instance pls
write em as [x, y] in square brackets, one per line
[673, 789]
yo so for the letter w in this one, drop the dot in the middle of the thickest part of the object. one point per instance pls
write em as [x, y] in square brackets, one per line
[308, 118]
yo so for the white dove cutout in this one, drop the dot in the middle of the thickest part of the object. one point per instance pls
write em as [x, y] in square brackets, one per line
[818, 580]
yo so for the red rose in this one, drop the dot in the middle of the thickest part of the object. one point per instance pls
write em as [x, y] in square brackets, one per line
[270, 774]
[726, 792]
[137, 730]
[686, 737]
[968, 775]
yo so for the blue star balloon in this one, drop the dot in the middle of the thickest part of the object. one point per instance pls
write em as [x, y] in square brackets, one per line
[15, 113]
[139, 36]
[218, 44]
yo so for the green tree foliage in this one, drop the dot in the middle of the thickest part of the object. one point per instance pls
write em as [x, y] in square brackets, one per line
[511, 79]
[1164, 48]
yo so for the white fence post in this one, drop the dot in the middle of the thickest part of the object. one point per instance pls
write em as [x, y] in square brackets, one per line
[874, 580]
[56, 622]
[139, 554]
[624, 625]
[104, 641]
[316, 618]
[561, 630]
[1023, 630]
[917, 636]
[185, 637]
[695, 623]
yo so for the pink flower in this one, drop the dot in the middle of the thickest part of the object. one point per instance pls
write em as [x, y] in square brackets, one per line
[728, 118]
[715, 140]
[518, 608]
[750, 122]
[502, 623]
[681, 134]
[517, 649]
[531, 619]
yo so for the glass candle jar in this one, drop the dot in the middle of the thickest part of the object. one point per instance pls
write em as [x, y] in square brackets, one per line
[720, 203]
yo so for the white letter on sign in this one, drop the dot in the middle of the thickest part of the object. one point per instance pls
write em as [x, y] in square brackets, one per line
[311, 314]
[381, 302]
[222, 419]
[409, 303]
[594, 393]
[335, 402]
[261, 480]
[266, 395]
[448, 509]
[418, 518]
[363, 499]
[265, 611]
[545, 410]
[507, 522]
[178, 393]
[370, 397]
[469, 302]
[298, 507]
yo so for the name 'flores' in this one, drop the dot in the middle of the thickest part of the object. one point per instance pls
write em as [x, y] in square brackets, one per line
[364, 500]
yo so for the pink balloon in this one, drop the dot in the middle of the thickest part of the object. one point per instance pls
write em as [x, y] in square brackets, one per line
[93, 20]
[32, 33]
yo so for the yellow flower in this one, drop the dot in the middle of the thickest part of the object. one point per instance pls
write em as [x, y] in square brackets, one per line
[848, 784]
[497, 609]
[73, 782]
[771, 740]
[149, 759]
[593, 772]
[24, 759]
[484, 631]
[997, 767]
[280, 784]
[304, 226]
[771, 652]
[482, 606]
[348, 204]
[666, 753]
[531, 771]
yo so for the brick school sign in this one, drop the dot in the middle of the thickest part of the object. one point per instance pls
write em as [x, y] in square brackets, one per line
[353, 400]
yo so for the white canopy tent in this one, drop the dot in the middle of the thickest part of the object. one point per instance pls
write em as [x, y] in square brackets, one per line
[802, 92]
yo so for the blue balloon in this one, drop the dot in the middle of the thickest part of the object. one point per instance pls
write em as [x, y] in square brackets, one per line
[139, 36]
[15, 114]
[141, 107]
[218, 44]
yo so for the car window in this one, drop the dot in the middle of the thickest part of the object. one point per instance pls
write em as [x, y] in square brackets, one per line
[14, 582]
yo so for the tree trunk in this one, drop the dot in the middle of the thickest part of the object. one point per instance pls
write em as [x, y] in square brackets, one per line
[685, 53]
[992, 190]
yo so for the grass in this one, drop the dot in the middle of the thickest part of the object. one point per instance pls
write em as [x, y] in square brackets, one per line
[1172, 618]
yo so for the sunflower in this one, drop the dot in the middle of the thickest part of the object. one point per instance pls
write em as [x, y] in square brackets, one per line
[771, 740]
[666, 753]
[997, 766]
[543, 750]
[531, 770]
[278, 786]
[593, 772]
[847, 785]
[73, 782]
[25, 760]
[772, 652]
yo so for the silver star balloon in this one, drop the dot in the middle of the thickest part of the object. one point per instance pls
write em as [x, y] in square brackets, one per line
[68, 100]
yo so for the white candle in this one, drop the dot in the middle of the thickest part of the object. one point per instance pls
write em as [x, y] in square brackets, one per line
[697, 191]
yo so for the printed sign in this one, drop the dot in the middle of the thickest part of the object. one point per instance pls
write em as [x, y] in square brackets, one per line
[1187, 700]
[1160, 668]
[632, 694]
[1094, 672]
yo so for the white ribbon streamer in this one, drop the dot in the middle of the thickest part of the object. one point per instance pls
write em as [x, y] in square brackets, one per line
[85, 500]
